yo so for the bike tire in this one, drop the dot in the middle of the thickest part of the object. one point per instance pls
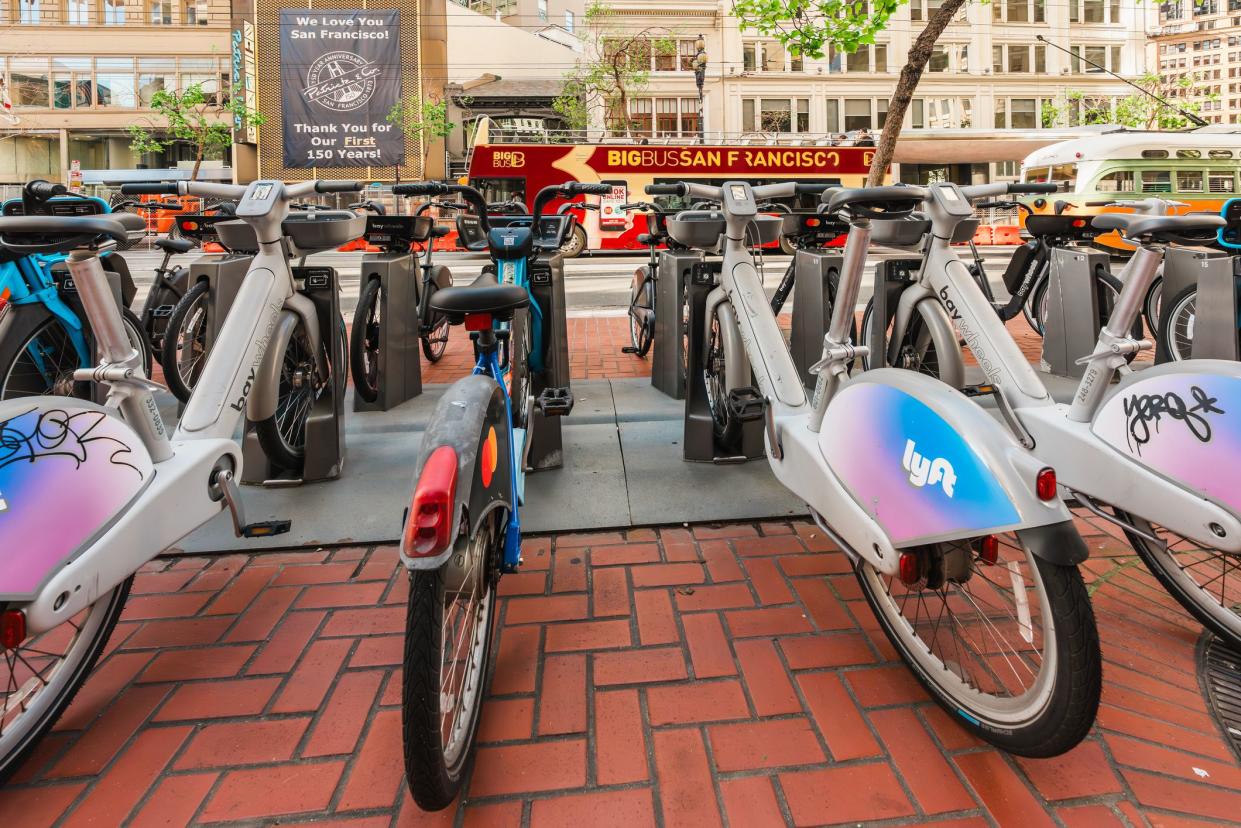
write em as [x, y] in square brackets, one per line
[435, 340]
[15, 745]
[919, 350]
[436, 766]
[137, 336]
[716, 358]
[641, 335]
[283, 435]
[517, 359]
[1058, 714]
[20, 327]
[364, 343]
[1151, 305]
[1176, 331]
[1217, 616]
[190, 311]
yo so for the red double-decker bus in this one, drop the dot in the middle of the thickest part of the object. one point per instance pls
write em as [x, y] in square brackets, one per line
[516, 171]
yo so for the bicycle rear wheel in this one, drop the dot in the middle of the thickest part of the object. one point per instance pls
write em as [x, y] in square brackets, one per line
[448, 633]
[184, 352]
[435, 338]
[37, 355]
[1008, 648]
[364, 342]
[40, 676]
[1176, 336]
[283, 435]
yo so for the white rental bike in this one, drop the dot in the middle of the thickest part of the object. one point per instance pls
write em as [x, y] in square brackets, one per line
[1156, 455]
[960, 543]
[90, 493]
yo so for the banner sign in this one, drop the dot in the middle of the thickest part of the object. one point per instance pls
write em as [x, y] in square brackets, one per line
[245, 80]
[725, 161]
[340, 76]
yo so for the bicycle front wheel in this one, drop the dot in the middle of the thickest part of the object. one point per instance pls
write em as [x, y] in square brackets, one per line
[435, 335]
[37, 355]
[184, 352]
[1009, 648]
[283, 435]
[448, 634]
[40, 676]
[364, 342]
[1176, 336]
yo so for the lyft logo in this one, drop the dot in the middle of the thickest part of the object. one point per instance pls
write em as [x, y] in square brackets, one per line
[924, 471]
[4, 504]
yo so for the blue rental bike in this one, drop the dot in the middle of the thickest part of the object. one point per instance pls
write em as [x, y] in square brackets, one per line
[44, 334]
[463, 526]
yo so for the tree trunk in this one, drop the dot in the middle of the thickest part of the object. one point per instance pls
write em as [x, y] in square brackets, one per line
[911, 73]
[198, 162]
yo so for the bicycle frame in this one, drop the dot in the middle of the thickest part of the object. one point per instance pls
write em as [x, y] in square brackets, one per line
[1062, 435]
[194, 468]
[840, 479]
[28, 281]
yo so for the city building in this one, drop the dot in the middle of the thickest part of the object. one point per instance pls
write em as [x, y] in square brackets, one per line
[78, 72]
[1201, 40]
[990, 95]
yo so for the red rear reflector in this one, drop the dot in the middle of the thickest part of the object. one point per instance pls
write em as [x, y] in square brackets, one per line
[428, 528]
[813, 222]
[477, 321]
[989, 552]
[1045, 484]
[12, 629]
[910, 570]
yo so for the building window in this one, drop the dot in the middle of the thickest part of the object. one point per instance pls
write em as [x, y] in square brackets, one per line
[775, 114]
[936, 113]
[161, 12]
[1108, 57]
[71, 82]
[1020, 11]
[114, 82]
[949, 57]
[666, 117]
[767, 56]
[28, 81]
[689, 116]
[114, 12]
[833, 115]
[196, 12]
[78, 13]
[155, 75]
[568, 21]
[640, 110]
[686, 50]
[803, 115]
[542, 9]
[881, 57]
[30, 12]
[857, 114]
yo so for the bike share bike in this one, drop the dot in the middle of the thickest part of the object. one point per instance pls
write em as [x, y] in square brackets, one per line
[959, 541]
[642, 290]
[463, 526]
[1144, 457]
[44, 332]
[131, 489]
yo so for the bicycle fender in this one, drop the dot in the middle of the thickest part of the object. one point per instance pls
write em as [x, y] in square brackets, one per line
[927, 464]
[265, 385]
[441, 276]
[1181, 420]
[471, 419]
[304, 307]
[1057, 543]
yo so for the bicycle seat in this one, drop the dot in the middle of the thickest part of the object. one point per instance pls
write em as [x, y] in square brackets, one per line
[485, 295]
[175, 245]
[52, 234]
[1192, 228]
[439, 231]
[875, 202]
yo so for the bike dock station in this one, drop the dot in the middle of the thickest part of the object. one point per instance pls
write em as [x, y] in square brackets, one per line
[399, 376]
[1216, 274]
[1073, 309]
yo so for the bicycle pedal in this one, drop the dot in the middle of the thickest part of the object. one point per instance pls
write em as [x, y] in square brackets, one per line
[983, 390]
[266, 529]
[746, 404]
[629, 349]
[162, 311]
[555, 402]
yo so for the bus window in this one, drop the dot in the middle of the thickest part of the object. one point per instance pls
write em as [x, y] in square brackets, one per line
[1066, 174]
[1035, 175]
[1117, 181]
[501, 189]
[1154, 153]
[1189, 181]
[1189, 153]
[1222, 182]
[1156, 181]
[1220, 154]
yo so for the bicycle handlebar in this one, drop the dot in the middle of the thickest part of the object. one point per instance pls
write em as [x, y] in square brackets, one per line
[1033, 187]
[43, 190]
[678, 189]
[151, 188]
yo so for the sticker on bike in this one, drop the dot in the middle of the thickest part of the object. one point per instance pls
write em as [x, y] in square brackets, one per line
[924, 471]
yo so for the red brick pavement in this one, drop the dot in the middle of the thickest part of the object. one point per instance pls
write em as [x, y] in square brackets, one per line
[715, 675]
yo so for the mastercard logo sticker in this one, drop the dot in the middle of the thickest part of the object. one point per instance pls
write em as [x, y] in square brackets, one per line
[491, 455]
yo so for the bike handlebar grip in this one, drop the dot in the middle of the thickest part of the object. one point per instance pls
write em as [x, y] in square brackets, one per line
[589, 189]
[422, 188]
[678, 189]
[1034, 188]
[151, 188]
[338, 186]
[44, 190]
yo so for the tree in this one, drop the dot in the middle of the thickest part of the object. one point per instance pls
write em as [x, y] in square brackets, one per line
[424, 121]
[194, 116]
[808, 27]
[1143, 112]
[617, 64]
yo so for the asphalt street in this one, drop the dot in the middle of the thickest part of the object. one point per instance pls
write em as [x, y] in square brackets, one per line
[595, 285]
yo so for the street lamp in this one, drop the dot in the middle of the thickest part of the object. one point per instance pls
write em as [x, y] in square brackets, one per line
[700, 76]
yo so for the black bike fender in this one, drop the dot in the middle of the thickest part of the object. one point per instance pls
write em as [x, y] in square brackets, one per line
[472, 420]
[1057, 543]
[441, 276]
[265, 389]
[120, 267]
